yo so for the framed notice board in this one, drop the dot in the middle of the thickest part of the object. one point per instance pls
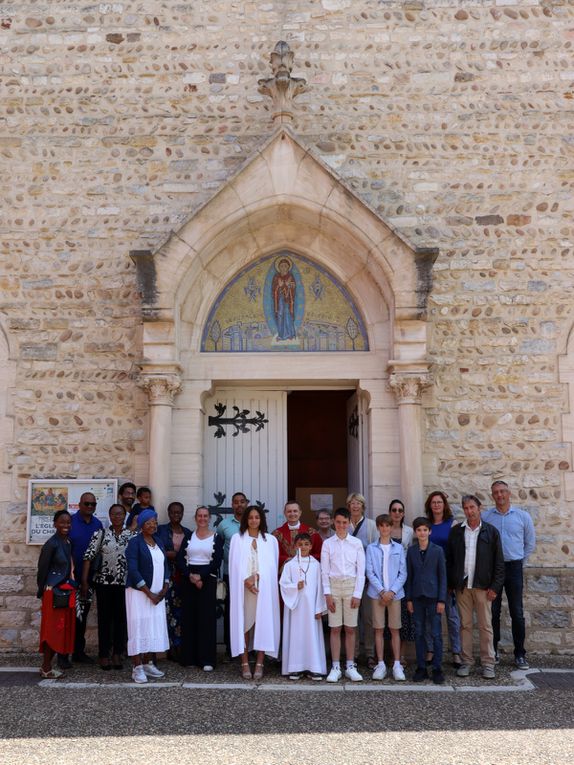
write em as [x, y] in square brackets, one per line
[46, 496]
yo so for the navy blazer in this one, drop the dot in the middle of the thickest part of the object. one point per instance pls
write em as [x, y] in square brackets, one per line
[165, 535]
[426, 579]
[54, 563]
[140, 563]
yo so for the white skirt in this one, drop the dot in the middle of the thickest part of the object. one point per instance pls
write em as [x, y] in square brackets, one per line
[147, 624]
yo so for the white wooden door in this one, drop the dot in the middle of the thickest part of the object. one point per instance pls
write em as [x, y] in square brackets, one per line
[357, 457]
[245, 448]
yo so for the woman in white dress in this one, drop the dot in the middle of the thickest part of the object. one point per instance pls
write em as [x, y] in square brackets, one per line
[147, 583]
[253, 569]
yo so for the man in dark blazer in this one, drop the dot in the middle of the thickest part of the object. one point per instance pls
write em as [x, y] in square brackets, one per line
[425, 592]
[475, 571]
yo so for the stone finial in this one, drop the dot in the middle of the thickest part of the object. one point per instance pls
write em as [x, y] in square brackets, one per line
[161, 389]
[408, 387]
[282, 88]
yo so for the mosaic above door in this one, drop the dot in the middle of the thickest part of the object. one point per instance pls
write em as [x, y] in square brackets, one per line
[284, 302]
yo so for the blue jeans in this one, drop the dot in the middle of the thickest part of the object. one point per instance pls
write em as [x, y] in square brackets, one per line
[452, 623]
[425, 614]
[513, 586]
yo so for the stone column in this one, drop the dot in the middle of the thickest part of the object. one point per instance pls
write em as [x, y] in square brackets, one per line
[161, 390]
[408, 387]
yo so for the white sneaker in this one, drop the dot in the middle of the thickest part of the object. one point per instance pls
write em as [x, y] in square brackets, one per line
[152, 671]
[352, 674]
[138, 674]
[208, 668]
[398, 673]
[380, 672]
[334, 675]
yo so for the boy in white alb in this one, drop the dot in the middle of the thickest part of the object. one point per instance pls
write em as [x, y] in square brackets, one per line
[387, 573]
[302, 593]
[343, 574]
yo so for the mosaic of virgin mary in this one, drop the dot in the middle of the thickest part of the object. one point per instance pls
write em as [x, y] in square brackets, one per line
[284, 289]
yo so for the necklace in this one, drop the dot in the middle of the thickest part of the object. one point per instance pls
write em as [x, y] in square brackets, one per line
[303, 571]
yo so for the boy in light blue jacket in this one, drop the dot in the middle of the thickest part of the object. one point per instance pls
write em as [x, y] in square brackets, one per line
[386, 571]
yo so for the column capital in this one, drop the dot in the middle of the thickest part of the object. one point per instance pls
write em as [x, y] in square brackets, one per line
[408, 383]
[161, 388]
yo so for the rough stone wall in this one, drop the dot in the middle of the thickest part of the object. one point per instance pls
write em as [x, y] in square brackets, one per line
[549, 606]
[454, 120]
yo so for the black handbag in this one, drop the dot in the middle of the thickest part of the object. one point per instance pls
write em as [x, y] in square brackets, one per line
[61, 598]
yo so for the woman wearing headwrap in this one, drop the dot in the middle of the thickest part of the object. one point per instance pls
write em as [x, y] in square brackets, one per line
[148, 580]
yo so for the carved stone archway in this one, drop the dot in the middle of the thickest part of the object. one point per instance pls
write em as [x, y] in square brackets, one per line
[284, 197]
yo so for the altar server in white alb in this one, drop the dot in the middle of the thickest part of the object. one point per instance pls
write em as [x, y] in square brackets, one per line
[253, 570]
[302, 592]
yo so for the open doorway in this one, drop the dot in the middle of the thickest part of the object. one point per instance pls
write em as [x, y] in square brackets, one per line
[317, 451]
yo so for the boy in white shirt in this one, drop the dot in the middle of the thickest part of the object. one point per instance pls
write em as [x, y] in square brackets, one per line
[386, 568]
[343, 574]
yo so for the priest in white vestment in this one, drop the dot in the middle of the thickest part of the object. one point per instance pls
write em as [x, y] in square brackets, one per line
[253, 568]
[302, 593]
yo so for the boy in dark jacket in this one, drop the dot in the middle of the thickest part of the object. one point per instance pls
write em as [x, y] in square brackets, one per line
[426, 596]
[475, 571]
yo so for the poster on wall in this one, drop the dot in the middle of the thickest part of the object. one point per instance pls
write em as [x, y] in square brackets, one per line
[47, 496]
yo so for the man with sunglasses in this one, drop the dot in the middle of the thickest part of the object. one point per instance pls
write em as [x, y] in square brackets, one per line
[84, 524]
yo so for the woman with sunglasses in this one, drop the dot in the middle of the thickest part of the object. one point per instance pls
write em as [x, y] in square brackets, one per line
[402, 533]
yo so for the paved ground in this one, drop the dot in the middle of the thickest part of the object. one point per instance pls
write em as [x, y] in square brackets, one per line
[98, 724]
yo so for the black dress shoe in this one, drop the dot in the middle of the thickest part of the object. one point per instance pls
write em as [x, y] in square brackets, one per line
[64, 662]
[437, 677]
[420, 675]
[82, 658]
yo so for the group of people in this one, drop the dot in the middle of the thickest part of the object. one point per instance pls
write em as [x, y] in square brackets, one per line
[157, 586]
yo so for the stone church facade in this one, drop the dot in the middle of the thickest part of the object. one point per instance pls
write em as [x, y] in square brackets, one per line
[414, 158]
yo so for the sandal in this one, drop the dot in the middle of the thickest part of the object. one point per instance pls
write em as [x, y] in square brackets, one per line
[52, 674]
[246, 673]
[258, 674]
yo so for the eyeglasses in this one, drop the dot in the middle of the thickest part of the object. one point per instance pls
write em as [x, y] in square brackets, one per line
[89, 504]
[397, 510]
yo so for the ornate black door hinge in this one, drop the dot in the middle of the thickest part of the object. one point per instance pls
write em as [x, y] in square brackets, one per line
[240, 421]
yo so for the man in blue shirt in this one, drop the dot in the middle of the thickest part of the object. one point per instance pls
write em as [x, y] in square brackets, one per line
[518, 542]
[228, 527]
[84, 524]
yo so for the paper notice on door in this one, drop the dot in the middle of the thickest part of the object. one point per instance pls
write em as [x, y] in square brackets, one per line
[321, 502]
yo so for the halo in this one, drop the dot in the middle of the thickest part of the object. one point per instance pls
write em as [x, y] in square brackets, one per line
[282, 258]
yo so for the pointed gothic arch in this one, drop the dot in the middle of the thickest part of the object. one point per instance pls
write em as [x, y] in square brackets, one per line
[285, 198]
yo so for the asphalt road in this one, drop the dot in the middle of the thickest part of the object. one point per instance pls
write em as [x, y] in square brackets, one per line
[97, 726]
